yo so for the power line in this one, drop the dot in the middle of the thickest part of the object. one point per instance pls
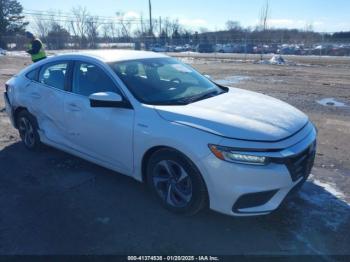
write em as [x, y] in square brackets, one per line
[78, 21]
[51, 15]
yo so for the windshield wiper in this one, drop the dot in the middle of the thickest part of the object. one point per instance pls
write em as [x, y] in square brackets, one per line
[199, 97]
[191, 99]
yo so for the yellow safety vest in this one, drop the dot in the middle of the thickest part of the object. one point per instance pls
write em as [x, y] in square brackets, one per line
[40, 55]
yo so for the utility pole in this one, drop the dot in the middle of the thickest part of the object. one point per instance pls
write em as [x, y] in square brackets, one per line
[150, 17]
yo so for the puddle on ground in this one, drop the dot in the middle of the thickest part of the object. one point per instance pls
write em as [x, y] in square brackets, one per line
[232, 80]
[331, 102]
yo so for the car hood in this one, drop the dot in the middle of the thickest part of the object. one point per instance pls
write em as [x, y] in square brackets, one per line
[239, 114]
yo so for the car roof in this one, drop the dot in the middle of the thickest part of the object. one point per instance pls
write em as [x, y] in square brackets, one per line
[108, 56]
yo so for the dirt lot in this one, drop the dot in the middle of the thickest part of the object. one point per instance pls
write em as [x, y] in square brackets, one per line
[54, 203]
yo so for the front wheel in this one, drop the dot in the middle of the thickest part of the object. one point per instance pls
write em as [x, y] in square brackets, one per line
[176, 182]
[28, 130]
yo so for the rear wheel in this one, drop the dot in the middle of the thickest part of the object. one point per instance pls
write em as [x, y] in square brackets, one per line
[176, 182]
[28, 132]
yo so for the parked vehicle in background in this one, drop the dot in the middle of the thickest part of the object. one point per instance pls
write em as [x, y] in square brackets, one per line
[286, 49]
[2, 51]
[187, 47]
[205, 48]
[170, 48]
[159, 48]
[227, 48]
[179, 49]
[341, 50]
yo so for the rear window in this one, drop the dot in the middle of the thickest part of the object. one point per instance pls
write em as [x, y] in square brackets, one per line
[54, 75]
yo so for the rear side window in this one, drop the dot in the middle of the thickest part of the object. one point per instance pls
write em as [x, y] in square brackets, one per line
[33, 75]
[89, 79]
[54, 75]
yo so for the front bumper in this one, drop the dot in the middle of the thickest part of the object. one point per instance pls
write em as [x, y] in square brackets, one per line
[247, 190]
[9, 109]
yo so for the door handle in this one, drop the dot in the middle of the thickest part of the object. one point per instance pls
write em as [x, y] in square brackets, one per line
[73, 107]
[35, 95]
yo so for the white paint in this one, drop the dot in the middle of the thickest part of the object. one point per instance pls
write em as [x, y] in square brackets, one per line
[113, 55]
[239, 114]
[118, 138]
[331, 102]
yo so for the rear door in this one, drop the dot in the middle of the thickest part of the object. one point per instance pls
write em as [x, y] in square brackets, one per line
[105, 134]
[47, 99]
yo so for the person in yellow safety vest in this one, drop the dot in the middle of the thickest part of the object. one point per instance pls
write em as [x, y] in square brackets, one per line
[36, 48]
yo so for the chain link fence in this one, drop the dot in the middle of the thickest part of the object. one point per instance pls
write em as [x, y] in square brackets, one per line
[206, 43]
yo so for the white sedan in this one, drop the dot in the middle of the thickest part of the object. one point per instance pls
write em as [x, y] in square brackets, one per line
[195, 143]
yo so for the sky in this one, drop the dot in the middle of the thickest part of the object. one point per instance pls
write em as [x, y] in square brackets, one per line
[324, 15]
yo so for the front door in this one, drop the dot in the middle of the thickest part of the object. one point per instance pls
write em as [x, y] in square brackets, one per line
[105, 134]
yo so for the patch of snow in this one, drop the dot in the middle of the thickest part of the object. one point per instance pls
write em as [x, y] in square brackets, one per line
[17, 53]
[330, 204]
[189, 53]
[277, 60]
[331, 102]
[232, 80]
[187, 60]
[329, 187]
[263, 62]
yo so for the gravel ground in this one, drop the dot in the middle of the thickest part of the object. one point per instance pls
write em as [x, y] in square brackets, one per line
[54, 203]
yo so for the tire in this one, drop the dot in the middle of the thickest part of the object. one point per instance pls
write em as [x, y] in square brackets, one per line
[176, 182]
[28, 130]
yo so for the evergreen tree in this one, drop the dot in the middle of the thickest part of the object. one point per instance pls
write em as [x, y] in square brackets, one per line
[11, 19]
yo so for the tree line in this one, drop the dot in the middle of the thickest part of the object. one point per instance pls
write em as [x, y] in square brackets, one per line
[80, 29]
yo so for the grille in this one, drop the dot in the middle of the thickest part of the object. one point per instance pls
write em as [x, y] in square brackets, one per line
[300, 165]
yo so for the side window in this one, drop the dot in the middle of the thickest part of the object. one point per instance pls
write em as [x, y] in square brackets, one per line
[33, 75]
[54, 75]
[89, 79]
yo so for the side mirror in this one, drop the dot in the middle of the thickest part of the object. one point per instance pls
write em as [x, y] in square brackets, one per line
[107, 99]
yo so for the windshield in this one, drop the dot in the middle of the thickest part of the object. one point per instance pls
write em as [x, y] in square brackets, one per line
[164, 81]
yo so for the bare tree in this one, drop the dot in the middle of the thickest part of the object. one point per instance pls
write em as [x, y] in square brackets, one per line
[233, 25]
[203, 30]
[114, 30]
[78, 25]
[175, 26]
[167, 26]
[50, 27]
[41, 25]
[125, 25]
[92, 26]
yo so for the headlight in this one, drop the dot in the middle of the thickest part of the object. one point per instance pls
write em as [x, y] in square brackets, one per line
[228, 154]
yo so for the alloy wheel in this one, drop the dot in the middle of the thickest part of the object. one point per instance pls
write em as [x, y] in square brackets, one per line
[26, 131]
[172, 183]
